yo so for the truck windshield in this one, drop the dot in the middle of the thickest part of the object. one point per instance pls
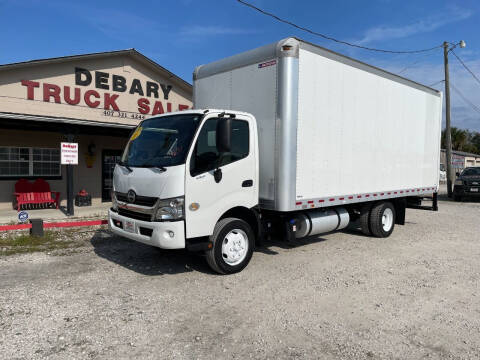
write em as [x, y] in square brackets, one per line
[471, 171]
[161, 142]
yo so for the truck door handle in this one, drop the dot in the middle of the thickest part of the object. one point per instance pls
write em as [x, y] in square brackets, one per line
[247, 183]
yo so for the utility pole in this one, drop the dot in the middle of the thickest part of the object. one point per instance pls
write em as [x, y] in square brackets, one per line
[448, 133]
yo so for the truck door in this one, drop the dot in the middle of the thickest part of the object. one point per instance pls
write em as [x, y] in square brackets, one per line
[206, 200]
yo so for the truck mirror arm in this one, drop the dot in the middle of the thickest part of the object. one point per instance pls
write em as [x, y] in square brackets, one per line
[217, 174]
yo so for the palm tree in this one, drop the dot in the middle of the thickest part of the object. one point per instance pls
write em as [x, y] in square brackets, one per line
[459, 139]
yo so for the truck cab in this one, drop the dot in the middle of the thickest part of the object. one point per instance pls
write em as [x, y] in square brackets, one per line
[187, 176]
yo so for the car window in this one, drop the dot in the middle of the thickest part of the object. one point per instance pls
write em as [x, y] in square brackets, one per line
[471, 171]
[205, 156]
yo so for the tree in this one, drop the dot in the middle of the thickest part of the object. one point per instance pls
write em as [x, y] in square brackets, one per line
[463, 140]
[475, 141]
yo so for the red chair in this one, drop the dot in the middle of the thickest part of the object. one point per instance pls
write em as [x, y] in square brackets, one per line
[43, 194]
[24, 193]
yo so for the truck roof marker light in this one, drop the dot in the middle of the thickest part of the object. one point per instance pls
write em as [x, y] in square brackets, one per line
[287, 47]
[350, 197]
[298, 203]
[383, 194]
[342, 198]
[401, 192]
[359, 196]
[395, 192]
[310, 201]
[321, 200]
[389, 193]
[332, 199]
[374, 194]
[368, 195]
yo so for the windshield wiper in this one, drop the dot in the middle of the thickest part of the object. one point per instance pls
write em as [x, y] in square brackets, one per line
[124, 164]
[161, 168]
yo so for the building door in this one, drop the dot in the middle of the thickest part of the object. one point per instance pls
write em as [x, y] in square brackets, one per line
[109, 159]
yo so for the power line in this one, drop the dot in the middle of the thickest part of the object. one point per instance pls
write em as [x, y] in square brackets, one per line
[477, 109]
[331, 38]
[414, 63]
[435, 83]
[465, 66]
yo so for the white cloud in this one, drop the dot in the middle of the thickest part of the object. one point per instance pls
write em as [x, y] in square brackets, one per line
[125, 26]
[212, 30]
[383, 32]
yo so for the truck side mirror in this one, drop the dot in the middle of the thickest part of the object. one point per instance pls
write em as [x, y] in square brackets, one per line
[224, 135]
[457, 173]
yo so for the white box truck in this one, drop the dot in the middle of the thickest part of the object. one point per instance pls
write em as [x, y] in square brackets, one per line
[306, 141]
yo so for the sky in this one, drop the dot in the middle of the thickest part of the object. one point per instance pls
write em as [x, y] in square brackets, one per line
[182, 34]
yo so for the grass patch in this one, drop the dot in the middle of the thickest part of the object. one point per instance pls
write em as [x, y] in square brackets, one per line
[26, 243]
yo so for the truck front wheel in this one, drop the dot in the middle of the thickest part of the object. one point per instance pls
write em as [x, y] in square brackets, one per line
[382, 219]
[233, 242]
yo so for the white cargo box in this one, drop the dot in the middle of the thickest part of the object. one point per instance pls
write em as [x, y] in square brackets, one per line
[332, 130]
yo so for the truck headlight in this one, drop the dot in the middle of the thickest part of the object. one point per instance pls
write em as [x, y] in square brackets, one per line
[114, 201]
[170, 209]
[458, 182]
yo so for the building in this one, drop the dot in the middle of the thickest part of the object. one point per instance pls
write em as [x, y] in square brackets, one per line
[460, 160]
[94, 100]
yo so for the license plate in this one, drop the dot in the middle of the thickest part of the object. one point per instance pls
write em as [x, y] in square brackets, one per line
[474, 189]
[130, 226]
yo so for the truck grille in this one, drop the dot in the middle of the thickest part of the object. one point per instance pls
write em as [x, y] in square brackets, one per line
[473, 183]
[134, 215]
[139, 200]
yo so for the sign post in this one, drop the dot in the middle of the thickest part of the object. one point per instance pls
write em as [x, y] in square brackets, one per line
[69, 157]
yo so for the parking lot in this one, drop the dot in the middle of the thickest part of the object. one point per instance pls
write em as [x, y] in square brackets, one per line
[343, 295]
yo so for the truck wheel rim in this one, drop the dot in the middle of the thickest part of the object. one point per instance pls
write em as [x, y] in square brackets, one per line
[235, 247]
[387, 219]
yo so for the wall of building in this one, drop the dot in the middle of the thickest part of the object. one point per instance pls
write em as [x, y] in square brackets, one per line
[42, 90]
[84, 178]
[110, 88]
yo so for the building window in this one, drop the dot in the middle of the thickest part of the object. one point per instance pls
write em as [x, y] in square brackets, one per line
[25, 162]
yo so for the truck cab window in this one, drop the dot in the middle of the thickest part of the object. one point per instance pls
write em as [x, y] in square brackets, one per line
[205, 156]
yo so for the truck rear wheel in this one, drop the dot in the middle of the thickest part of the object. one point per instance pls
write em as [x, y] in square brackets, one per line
[382, 219]
[233, 242]
[365, 219]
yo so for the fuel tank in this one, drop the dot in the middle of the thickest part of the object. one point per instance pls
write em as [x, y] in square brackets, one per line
[316, 222]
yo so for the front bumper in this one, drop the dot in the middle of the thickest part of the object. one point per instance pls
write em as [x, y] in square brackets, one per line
[157, 234]
[466, 190]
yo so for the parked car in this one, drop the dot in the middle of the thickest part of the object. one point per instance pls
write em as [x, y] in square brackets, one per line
[467, 183]
[443, 173]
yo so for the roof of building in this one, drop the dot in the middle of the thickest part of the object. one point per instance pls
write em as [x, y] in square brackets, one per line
[463, 153]
[129, 52]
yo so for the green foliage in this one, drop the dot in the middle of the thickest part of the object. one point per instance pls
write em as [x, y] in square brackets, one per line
[463, 140]
[26, 243]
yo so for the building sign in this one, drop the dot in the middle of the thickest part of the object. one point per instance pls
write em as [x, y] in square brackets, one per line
[120, 89]
[23, 216]
[458, 162]
[148, 92]
[69, 153]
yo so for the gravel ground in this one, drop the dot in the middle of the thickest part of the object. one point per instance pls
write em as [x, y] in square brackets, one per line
[413, 295]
